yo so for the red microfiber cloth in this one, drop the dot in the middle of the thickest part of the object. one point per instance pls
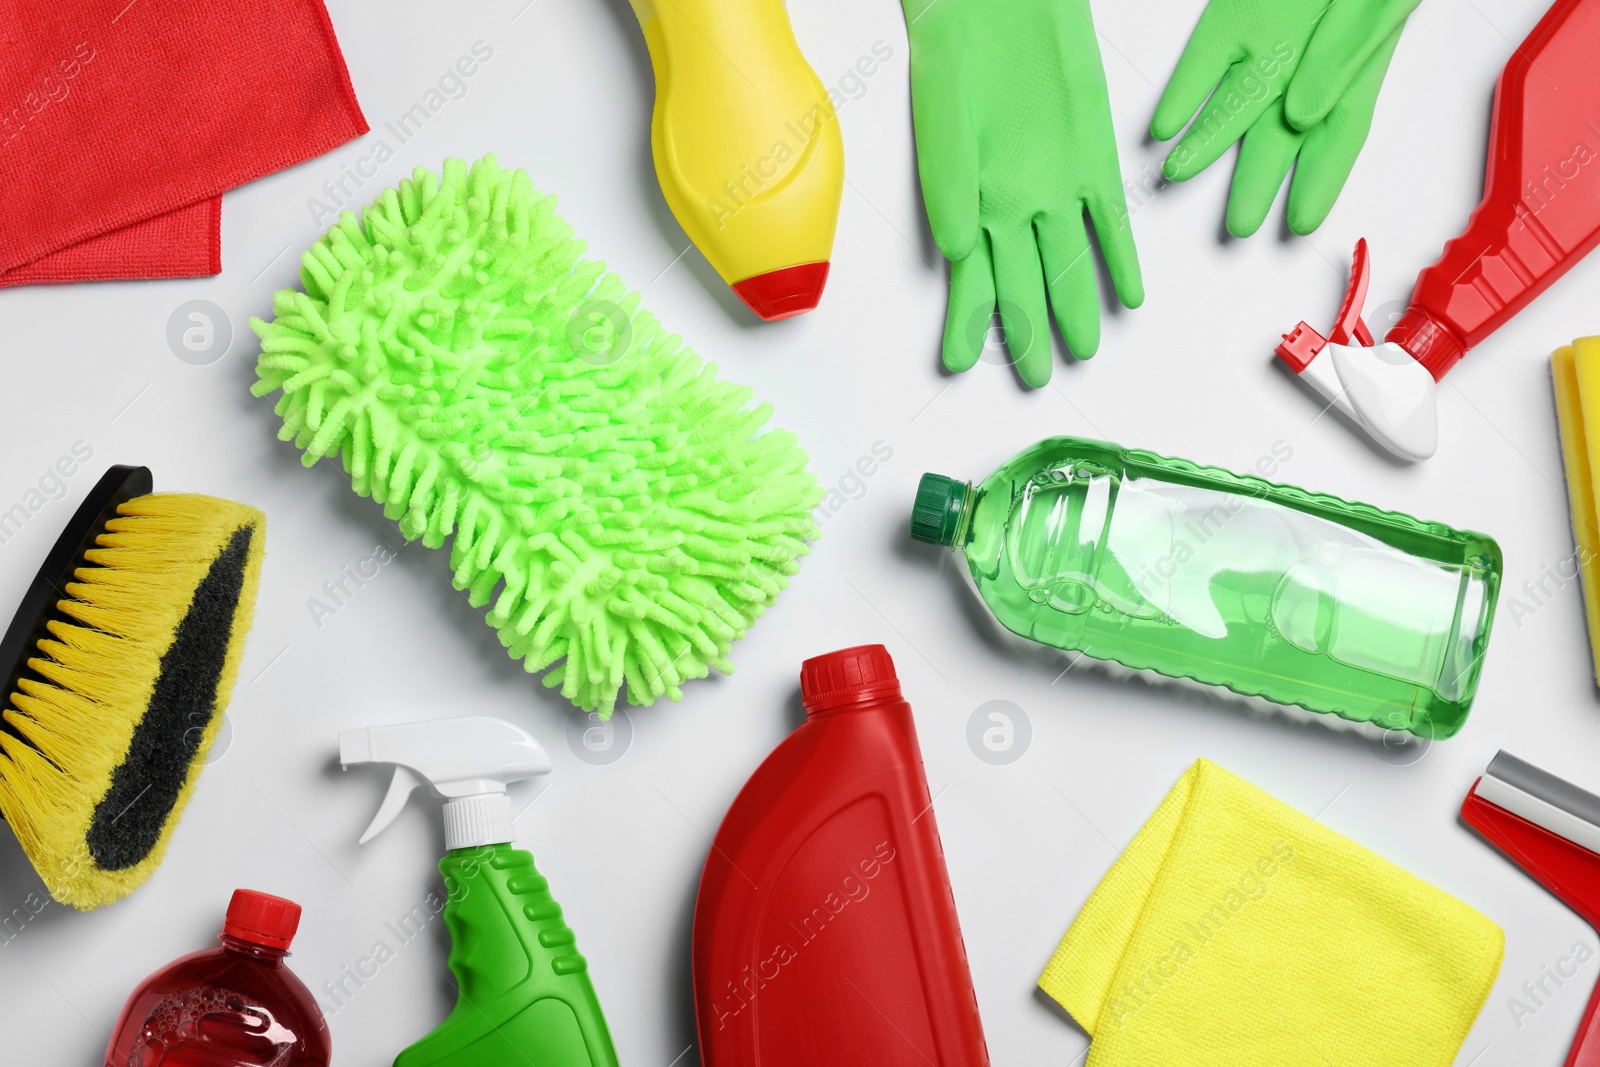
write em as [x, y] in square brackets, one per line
[123, 123]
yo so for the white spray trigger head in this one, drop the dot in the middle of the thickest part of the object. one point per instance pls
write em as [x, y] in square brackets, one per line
[1390, 395]
[470, 761]
[1378, 386]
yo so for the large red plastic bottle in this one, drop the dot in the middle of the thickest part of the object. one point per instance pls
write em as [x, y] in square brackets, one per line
[235, 1005]
[825, 931]
[1540, 211]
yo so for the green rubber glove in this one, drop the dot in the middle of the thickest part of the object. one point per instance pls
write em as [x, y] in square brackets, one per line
[1014, 144]
[1297, 81]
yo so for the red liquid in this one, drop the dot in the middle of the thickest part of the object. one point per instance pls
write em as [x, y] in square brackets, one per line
[236, 1005]
[1540, 211]
[825, 931]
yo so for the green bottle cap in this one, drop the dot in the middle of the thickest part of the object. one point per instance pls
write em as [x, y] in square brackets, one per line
[937, 512]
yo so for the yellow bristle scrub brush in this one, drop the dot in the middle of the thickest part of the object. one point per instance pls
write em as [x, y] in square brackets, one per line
[121, 659]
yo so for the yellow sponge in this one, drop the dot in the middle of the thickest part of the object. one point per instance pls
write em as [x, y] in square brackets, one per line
[1576, 368]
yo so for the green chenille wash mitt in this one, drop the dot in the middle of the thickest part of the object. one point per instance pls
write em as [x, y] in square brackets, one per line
[620, 505]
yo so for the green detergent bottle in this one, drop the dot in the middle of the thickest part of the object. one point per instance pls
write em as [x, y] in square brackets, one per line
[523, 990]
[1225, 579]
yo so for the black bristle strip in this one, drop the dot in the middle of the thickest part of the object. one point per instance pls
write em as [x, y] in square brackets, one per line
[129, 819]
[30, 624]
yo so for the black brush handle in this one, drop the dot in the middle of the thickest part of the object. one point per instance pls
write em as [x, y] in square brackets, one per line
[30, 624]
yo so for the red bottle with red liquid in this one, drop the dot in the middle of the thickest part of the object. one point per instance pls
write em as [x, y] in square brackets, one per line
[235, 1005]
[825, 931]
[1539, 215]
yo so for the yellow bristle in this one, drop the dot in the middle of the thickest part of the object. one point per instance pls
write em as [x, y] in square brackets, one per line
[99, 670]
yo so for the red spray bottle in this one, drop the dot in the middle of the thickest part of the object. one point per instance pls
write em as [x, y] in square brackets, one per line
[1539, 215]
[825, 931]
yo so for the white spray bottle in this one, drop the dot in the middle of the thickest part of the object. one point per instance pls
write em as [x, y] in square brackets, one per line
[524, 993]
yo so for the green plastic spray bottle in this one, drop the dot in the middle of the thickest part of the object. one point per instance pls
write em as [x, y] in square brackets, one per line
[523, 990]
[1226, 579]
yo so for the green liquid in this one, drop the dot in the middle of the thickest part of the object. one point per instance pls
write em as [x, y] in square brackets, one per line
[1233, 581]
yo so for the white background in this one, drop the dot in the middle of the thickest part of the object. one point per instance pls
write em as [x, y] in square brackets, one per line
[567, 95]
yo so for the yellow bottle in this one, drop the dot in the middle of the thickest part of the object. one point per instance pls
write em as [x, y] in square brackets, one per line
[746, 146]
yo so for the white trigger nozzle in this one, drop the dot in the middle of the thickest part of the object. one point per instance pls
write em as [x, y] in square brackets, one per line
[470, 761]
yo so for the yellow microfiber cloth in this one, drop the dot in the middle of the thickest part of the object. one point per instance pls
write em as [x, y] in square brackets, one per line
[1576, 369]
[1236, 931]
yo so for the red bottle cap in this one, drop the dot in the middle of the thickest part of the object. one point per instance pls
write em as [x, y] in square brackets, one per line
[848, 676]
[785, 292]
[261, 919]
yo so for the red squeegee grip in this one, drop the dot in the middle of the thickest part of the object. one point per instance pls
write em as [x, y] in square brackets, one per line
[1564, 867]
[1586, 1047]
